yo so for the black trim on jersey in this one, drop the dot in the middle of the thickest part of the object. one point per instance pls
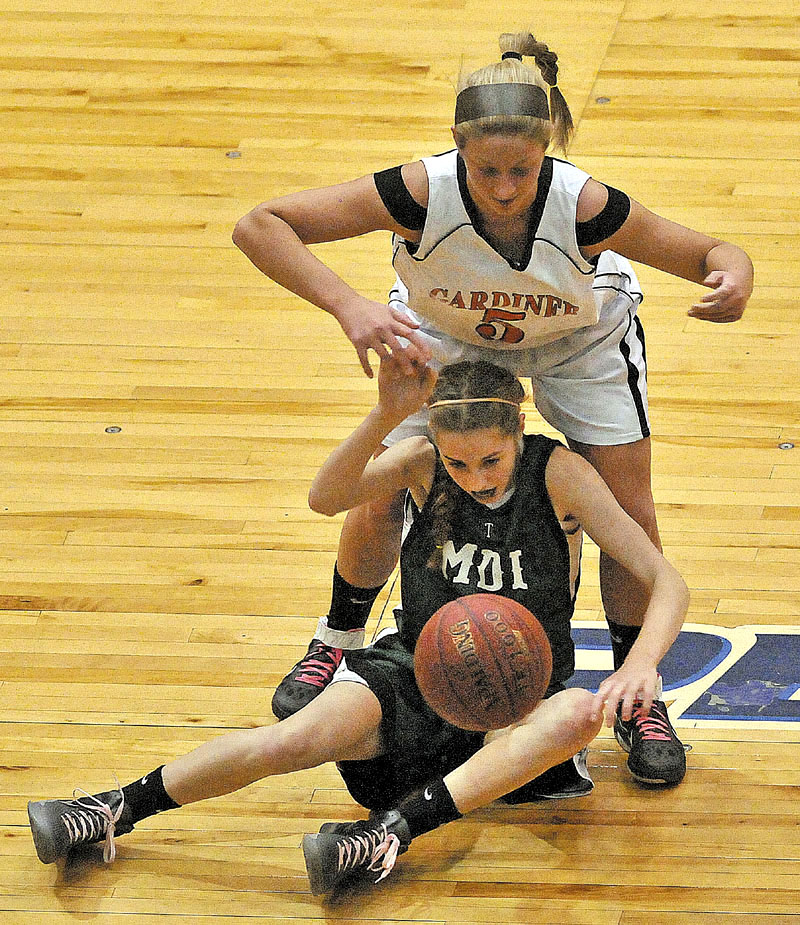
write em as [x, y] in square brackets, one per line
[640, 335]
[608, 220]
[413, 248]
[617, 290]
[633, 372]
[546, 179]
[399, 202]
[615, 273]
[580, 269]
[534, 218]
[630, 295]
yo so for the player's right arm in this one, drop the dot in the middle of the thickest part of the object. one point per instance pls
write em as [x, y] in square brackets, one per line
[350, 476]
[275, 237]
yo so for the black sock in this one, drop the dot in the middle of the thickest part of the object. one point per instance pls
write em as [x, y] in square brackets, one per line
[622, 639]
[147, 796]
[428, 808]
[350, 606]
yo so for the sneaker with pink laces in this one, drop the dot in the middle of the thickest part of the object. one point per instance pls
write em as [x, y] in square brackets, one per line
[655, 753]
[369, 848]
[59, 826]
[309, 677]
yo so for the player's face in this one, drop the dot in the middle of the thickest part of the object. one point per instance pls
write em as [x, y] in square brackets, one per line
[482, 462]
[503, 174]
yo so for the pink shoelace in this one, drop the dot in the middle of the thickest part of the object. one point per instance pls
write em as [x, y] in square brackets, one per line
[379, 848]
[83, 825]
[319, 665]
[653, 727]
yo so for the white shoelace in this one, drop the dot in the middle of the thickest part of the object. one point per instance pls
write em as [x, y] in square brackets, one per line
[83, 825]
[380, 849]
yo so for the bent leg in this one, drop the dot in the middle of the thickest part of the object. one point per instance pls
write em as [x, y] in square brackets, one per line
[341, 724]
[369, 546]
[556, 729]
[626, 471]
[369, 543]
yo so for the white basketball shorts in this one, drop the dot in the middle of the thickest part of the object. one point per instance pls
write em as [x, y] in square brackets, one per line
[590, 385]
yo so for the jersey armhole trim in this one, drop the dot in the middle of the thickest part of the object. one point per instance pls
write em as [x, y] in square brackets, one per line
[608, 220]
[399, 202]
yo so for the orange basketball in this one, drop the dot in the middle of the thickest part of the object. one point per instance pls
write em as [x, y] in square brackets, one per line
[483, 662]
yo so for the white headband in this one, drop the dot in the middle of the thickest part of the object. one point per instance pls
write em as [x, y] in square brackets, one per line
[470, 401]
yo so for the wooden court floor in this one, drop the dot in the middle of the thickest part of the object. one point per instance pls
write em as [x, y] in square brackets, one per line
[163, 409]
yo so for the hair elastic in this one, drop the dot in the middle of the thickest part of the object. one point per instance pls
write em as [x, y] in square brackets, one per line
[511, 54]
[471, 401]
[502, 99]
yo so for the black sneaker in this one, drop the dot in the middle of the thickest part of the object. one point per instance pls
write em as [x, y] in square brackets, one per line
[309, 677]
[569, 779]
[58, 826]
[655, 753]
[364, 848]
[338, 828]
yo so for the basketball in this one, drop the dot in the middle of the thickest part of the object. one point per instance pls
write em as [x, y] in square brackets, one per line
[482, 662]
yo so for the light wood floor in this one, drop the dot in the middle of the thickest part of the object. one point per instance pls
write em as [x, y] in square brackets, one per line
[157, 579]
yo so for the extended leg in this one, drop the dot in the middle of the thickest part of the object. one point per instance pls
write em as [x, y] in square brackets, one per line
[342, 724]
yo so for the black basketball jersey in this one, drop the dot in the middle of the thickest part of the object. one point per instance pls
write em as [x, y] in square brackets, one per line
[517, 550]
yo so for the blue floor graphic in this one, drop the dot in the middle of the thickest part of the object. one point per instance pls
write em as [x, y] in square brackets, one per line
[712, 673]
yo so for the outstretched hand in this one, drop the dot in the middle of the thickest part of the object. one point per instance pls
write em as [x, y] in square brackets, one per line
[403, 390]
[374, 326]
[728, 300]
[629, 685]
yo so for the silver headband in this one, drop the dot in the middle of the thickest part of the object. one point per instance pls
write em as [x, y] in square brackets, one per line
[501, 100]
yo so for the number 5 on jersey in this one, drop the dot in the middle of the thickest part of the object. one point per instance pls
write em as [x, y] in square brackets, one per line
[495, 326]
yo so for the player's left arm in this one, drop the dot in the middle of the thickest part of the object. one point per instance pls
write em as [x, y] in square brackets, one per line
[576, 489]
[658, 242]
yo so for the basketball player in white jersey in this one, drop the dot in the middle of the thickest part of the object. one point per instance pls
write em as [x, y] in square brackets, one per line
[505, 253]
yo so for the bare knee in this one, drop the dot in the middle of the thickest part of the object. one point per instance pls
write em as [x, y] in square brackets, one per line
[278, 749]
[625, 469]
[381, 517]
[286, 746]
[562, 724]
[579, 725]
[370, 542]
[383, 511]
[341, 724]
[639, 505]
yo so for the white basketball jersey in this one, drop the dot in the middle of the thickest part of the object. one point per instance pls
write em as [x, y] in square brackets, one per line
[457, 280]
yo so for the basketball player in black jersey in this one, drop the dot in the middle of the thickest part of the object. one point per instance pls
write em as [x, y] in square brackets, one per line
[493, 510]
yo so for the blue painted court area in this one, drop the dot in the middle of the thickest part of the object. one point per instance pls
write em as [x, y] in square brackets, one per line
[745, 674]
